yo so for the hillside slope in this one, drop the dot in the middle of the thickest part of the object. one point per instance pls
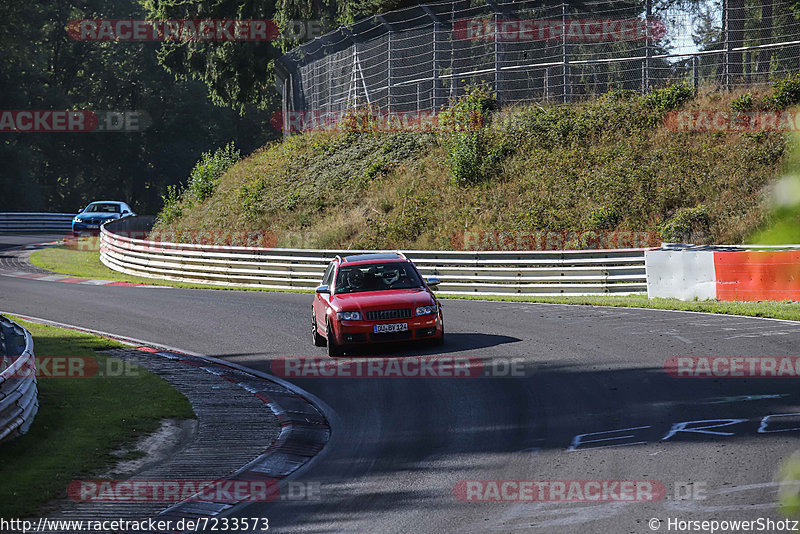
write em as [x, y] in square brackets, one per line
[606, 164]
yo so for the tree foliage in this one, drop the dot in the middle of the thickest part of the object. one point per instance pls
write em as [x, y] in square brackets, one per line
[41, 68]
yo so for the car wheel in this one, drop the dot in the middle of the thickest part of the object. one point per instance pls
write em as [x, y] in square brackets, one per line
[333, 348]
[440, 340]
[319, 341]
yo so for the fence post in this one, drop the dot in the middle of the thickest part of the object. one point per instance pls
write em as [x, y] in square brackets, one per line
[390, 82]
[436, 47]
[726, 55]
[285, 106]
[389, 60]
[695, 72]
[329, 70]
[547, 83]
[647, 51]
[565, 60]
[497, 57]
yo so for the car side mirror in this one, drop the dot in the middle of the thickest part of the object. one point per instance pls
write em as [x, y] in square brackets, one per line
[433, 282]
[80, 210]
[323, 289]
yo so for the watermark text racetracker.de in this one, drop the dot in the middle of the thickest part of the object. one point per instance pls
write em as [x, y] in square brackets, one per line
[43, 367]
[173, 30]
[559, 490]
[371, 120]
[408, 367]
[155, 240]
[137, 30]
[104, 526]
[722, 120]
[553, 240]
[73, 121]
[172, 491]
[571, 30]
[733, 366]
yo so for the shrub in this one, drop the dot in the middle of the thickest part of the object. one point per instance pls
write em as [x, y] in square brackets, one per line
[688, 225]
[464, 132]
[668, 98]
[743, 103]
[786, 91]
[172, 206]
[604, 219]
[205, 175]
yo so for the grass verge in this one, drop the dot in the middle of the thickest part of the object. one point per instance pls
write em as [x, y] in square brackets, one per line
[87, 264]
[775, 310]
[80, 421]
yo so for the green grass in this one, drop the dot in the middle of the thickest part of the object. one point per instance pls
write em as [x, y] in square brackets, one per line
[607, 163]
[775, 310]
[87, 264]
[80, 421]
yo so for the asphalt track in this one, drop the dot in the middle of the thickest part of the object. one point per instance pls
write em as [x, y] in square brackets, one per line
[400, 445]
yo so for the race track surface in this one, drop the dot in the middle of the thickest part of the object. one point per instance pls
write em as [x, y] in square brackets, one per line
[401, 445]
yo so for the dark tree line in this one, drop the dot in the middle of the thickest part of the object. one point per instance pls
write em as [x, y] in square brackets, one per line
[41, 68]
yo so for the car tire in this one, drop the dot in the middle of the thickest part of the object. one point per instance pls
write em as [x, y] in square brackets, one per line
[319, 341]
[333, 348]
[439, 340]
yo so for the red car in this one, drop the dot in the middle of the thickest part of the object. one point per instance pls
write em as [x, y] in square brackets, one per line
[374, 298]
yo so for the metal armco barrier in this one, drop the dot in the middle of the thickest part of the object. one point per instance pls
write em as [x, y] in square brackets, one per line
[541, 273]
[18, 391]
[36, 222]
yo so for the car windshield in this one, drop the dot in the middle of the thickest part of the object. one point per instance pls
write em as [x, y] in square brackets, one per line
[102, 208]
[377, 277]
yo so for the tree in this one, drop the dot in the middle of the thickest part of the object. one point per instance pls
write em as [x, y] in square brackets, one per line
[42, 68]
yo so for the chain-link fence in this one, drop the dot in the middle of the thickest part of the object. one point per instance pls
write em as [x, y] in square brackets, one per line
[418, 58]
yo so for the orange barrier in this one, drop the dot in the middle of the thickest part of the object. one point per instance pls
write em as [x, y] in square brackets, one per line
[772, 275]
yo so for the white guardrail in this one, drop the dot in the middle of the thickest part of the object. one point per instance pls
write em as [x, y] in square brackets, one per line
[36, 222]
[540, 273]
[18, 391]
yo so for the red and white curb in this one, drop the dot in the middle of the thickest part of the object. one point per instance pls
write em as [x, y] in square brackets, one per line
[71, 279]
[305, 429]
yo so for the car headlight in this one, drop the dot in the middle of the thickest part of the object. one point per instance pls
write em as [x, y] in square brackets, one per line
[78, 219]
[348, 316]
[425, 310]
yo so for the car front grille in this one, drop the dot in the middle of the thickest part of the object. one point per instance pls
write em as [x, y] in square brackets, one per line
[382, 315]
[388, 336]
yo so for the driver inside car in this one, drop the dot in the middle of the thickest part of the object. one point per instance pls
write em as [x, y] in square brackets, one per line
[355, 279]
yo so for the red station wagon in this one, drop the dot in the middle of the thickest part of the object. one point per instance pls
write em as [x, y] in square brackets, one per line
[374, 298]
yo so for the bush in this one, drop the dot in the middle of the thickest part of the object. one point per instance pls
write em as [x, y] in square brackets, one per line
[668, 98]
[464, 132]
[172, 210]
[688, 225]
[205, 175]
[604, 219]
[786, 91]
[743, 103]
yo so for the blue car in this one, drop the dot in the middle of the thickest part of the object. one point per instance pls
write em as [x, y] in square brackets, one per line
[89, 219]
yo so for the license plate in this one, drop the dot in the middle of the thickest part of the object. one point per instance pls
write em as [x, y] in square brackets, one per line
[387, 328]
[93, 226]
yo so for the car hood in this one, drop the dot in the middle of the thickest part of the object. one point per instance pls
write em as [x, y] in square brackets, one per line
[382, 300]
[101, 216]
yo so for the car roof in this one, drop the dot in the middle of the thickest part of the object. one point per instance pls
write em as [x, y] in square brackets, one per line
[374, 258]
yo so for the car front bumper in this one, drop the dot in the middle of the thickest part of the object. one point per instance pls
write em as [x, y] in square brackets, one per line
[361, 332]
